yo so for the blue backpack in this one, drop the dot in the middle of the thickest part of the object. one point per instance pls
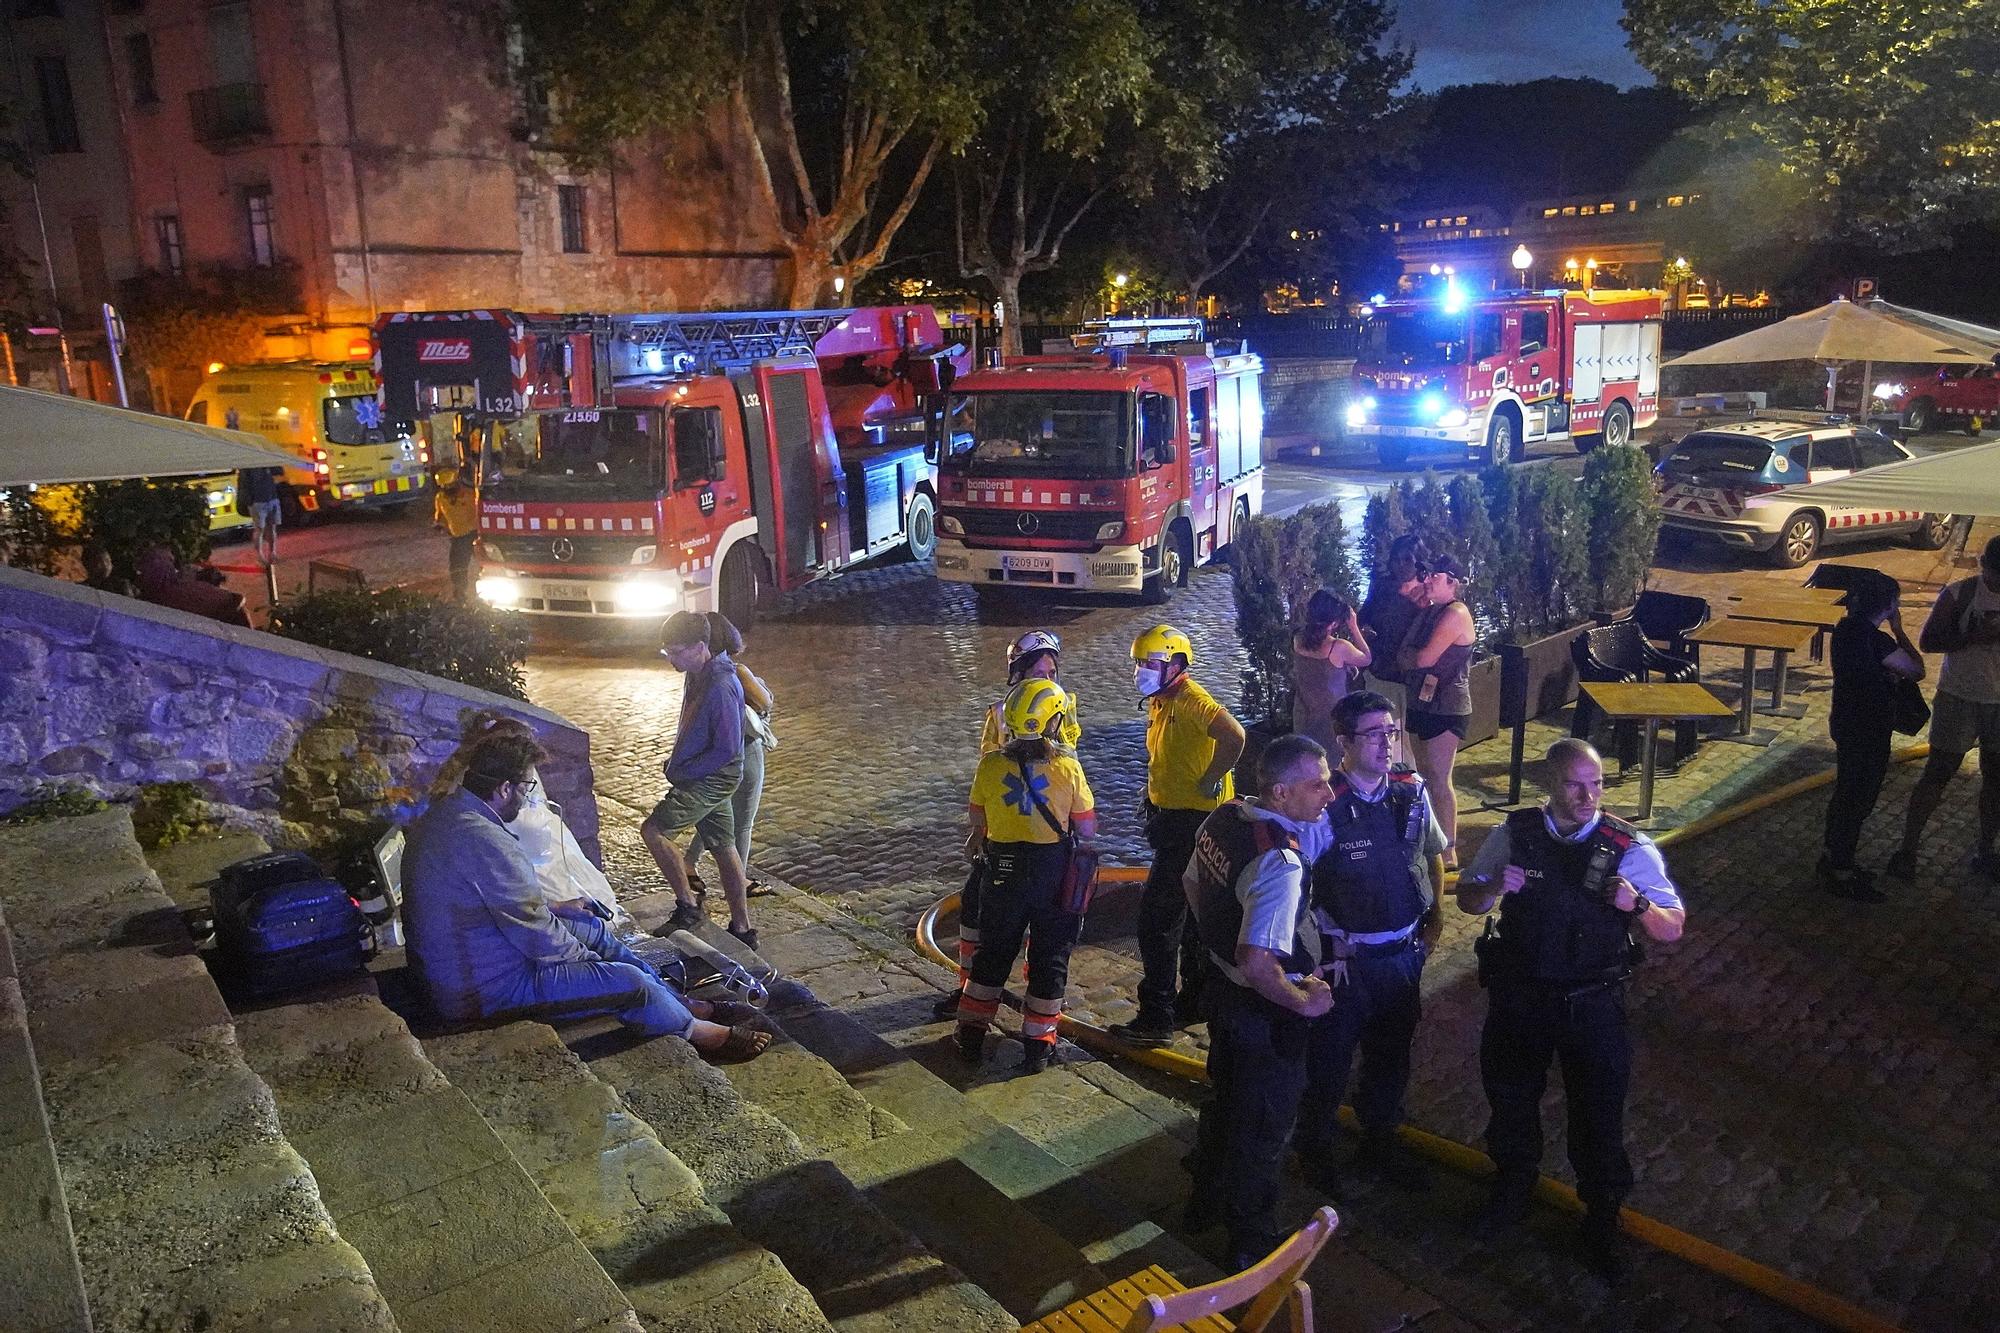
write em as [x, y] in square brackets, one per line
[282, 923]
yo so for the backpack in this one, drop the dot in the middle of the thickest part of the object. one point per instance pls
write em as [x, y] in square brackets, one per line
[281, 923]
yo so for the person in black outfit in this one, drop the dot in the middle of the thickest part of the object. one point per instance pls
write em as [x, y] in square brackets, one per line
[1868, 663]
[1572, 885]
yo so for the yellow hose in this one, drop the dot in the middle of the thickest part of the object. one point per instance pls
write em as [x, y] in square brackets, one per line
[1768, 1282]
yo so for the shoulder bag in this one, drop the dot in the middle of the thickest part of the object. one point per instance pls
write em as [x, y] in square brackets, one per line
[1079, 881]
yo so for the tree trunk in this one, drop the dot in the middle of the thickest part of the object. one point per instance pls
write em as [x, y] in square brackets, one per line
[1007, 284]
[811, 276]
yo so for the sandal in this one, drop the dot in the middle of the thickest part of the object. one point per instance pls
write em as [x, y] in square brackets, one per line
[696, 887]
[733, 1013]
[742, 1043]
[759, 889]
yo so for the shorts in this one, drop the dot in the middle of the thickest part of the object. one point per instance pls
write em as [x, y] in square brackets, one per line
[705, 804]
[1430, 726]
[1959, 725]
[267, 513]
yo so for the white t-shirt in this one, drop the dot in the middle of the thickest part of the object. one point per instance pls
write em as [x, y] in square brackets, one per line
[1973, 673]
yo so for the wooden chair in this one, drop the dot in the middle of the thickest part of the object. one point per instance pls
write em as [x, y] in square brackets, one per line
[1154, 1301]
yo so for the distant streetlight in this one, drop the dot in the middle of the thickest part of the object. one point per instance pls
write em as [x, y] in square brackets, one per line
[839, 284]
[1119, 280]
[1436, 269]
[1522, 261]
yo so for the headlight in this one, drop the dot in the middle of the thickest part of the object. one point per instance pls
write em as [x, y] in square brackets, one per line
[217, 499]
[640, 597]
[1454, 418]
[1430, 406]
[1357, 411]
[1890, 390]
[1111, 532]
[499, 591]
[947, 523]
[645, 555]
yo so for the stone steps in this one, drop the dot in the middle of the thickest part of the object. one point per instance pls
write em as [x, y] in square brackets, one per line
[189, 1209]
[638, 1208]
[458, 1234]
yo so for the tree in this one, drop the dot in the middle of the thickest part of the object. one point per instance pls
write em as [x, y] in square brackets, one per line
[1885, 112]
[842, 110]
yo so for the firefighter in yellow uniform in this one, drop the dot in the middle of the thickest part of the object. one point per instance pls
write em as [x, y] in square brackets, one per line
[1036, 655]
[1030, 802]
[456, 510]
[1192, 744]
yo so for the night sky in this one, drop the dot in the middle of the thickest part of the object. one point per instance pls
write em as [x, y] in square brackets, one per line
[1479, 41]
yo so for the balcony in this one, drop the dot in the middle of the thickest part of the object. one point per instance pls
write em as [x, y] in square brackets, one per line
[227, 114]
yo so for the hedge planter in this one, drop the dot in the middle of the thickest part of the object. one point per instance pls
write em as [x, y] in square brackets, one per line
[1484, 682]
[1536, 678]
[1256, 737]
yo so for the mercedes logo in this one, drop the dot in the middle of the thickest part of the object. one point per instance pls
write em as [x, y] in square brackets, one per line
[562, 548]
[1027, 523]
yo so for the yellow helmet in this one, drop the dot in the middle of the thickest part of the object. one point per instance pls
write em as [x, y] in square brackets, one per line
[1162, 641]
[1035, 709]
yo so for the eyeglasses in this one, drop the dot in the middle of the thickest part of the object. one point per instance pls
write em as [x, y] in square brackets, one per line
[530, 787]
[1377, 735]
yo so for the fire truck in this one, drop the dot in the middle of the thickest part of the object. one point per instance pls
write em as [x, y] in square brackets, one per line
[635, 465]
[1967, 397]
[1489, 376]
[1115, 464]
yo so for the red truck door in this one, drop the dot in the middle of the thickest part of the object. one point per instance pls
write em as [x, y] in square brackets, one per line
[707, 476]
[1202, 466]
[793, 482]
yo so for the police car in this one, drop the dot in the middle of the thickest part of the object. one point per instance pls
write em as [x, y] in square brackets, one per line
[1720, 483]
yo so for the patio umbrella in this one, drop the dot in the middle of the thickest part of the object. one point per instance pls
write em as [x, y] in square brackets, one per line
[1955, 481]
[49, 437]
[1841, 333]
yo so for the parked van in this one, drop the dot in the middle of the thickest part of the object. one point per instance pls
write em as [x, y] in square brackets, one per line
[326, 415]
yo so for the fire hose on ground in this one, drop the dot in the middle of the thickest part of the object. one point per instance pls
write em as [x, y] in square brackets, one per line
[1768, 1282]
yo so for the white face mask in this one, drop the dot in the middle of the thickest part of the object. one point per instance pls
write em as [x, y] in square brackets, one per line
[1148, 677]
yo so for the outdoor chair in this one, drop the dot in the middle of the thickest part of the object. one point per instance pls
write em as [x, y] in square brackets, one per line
[1666, 618]
[1619, 654]
[1154, 1299]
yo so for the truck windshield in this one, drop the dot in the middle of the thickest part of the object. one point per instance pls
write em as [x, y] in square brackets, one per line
[583, 455]
[356, 420]
[1048, 434]
[1416, 337]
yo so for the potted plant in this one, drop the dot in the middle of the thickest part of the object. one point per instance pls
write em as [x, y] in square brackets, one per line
[1622, 497]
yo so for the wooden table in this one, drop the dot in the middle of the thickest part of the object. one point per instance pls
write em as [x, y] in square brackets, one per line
[1781, 638]
[1653, 702]
[1785, 592]
[1791, 611]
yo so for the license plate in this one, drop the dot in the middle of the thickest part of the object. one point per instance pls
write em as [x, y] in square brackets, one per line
[1697, 492]
[396, 466]
[566, 592]
[1038, 563]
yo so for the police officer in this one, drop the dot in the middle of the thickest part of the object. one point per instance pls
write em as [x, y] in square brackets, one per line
[1246, 882]
[1035, 655]
[1192, 743]
[1572, 884]
[1374, 892]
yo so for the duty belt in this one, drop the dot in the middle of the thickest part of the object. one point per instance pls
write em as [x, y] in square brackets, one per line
[1349, 944]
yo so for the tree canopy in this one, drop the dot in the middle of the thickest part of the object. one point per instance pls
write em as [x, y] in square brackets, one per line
[1886, 113]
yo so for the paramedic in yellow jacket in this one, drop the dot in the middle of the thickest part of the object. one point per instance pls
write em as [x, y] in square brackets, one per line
[1029, 801]
[456, 510]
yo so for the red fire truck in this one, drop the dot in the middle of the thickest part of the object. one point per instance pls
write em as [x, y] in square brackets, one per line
[1490, 375]
[1115, 464]
[1966, 397]
[641, 464]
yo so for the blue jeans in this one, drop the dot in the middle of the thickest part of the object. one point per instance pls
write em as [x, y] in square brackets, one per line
[618, 983]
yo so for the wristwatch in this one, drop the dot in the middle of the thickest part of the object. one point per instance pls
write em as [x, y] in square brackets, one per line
[1641, 904]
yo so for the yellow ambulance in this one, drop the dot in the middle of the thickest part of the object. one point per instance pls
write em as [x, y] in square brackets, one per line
[326, 415]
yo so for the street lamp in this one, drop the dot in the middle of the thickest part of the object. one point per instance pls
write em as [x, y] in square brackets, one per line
[1118, 281]
[1589, 274]
[839, 284]
[1522, 262]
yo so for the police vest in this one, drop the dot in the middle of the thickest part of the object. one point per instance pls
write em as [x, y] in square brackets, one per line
[1229, 840]
[1366, 881]
[1561, 926]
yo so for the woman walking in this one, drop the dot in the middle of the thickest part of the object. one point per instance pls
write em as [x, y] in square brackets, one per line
[758, 740]
[1030, 806]
[1328, 653]
[1436, 661]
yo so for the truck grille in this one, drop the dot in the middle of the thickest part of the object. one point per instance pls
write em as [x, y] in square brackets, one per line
[1062, 525]
[524, 549]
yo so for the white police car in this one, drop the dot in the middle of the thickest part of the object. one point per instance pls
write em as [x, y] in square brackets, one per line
[1721, 483]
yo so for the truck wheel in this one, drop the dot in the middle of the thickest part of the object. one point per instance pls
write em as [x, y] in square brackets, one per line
[290, 512]
[1799, 541]
[1615, 432]
[741, 585]
[1933, 532]
[1501, 446]
[1176, 554]
[920, 525]
[1921, 416]
[1392, 453]
[1239, 520]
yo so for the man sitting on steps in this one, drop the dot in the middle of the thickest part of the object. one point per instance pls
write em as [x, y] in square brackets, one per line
[484, 946]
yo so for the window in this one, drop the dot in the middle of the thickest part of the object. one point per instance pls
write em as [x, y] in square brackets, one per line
[1550, 212]
[1485, 334]
[1676, 200]
[1872, 450]
[167, 240]
[1608, 206]
[1534, 331]
[139, 69]
[1588, 210]
[699, 450]
[257, 215]
[92, 277]
[1631, 205]
[232, 57]
[198, 412]
[1462, 219]
[570, 201]
[1835, 454]
[58, 105]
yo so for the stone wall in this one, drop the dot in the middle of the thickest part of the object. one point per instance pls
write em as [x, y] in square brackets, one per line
[300, 744]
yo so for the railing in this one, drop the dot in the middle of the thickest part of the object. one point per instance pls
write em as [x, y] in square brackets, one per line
[228, 112]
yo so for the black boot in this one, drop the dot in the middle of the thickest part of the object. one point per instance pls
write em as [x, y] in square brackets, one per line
[946, 1007]
[1035, 1055]
[1604, 1244]
[1506, 1206]
[971, 1043]
[1148, 1030]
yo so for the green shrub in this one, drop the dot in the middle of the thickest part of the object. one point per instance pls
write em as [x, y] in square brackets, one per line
[128, 518]
[468, 644]
[50, 801]
[32, 534]
[169, 813]
[1623, 500]
[1276, 565]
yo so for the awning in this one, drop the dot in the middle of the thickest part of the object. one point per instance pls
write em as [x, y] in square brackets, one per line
[49, 437]
[1842, 331]
[1956, 481]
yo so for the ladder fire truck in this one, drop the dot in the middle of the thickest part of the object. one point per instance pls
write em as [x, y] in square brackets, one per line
[641, 464]
[1114, 464]
[1488, 376]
